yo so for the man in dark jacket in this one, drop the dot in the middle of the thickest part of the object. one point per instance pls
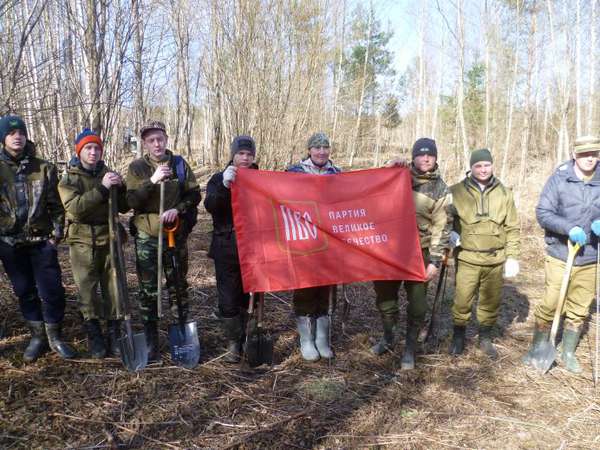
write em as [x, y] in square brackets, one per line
[31, 225]
[569, 213]
[233, 302]
[182, 195]
[84, 191]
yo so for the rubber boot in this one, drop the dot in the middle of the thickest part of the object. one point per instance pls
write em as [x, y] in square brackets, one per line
[408, 357]
[38, 344]
[458, 340]
[113, 336]
[322, 337]
[485, 342]
[94, 338]
[307, 342]
[57, 344]
[151, 330]
[570, 339]
[541, 334]
[232, 328]
[387, 341]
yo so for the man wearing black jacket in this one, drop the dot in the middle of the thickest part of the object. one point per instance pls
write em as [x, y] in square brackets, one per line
[233, 302]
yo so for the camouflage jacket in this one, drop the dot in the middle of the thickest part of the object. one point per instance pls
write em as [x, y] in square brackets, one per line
[487, 222]
[86, 203]
[432, 201]
[144, 196]
[30, 208]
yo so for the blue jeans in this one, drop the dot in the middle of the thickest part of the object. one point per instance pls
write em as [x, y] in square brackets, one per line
[34, 272]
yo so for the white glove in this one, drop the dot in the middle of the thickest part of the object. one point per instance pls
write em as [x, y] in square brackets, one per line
[454, 239]
[511, 268]
[229, 176]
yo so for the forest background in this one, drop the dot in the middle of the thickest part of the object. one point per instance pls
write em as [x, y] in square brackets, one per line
[518, 77]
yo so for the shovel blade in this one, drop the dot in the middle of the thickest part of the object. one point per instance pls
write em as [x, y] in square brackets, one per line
[544, 357]
[185, 344]
[258, 349]
[134, 352]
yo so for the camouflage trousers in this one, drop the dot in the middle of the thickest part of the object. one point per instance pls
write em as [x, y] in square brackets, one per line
[91, 272]
[146, 252]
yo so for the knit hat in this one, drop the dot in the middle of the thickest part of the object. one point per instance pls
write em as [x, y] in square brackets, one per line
[319, 139]
[242, 142]
[87, 136]
[153, 125]
[587, 144]
[424, 146]
[482, 154]
[11, 123]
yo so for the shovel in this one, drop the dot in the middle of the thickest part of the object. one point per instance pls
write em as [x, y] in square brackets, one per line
[596, 356]
[183, 335]
[134, 350]
[258, 348]
[546, 354]
[429, 333]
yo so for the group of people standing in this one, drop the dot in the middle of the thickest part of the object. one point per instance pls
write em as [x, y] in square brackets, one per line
[475, 220]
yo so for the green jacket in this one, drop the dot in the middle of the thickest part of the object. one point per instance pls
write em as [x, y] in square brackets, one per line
[486, 221]
[30, 208]
[432, 200]
[86, 203]
[144, 196]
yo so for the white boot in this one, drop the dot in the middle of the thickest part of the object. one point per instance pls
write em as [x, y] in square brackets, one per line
[322, 337]
[307, 343]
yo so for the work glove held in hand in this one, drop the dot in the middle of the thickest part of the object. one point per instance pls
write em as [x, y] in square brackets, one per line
[511, 268]
[454, 239]
[228, 176]
[577, 236]
[596, 227]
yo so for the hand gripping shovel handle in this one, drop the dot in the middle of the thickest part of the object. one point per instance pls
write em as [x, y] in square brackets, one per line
[161, 210]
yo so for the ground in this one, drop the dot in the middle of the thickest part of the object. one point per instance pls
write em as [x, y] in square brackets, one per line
[357, 401]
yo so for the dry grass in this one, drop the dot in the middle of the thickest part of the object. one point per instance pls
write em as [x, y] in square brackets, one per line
[358, 401]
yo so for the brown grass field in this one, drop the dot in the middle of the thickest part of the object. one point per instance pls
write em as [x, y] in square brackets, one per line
[359, 401]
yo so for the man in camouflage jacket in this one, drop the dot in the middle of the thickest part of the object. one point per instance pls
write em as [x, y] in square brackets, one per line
[143, 195]
[84, 191]
[432, 200]
[31, 225]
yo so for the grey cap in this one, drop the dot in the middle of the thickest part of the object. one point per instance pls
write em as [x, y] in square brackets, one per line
[242, 142]
[319, 139]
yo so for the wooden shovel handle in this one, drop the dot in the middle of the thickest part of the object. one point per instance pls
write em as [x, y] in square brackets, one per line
[573, 249]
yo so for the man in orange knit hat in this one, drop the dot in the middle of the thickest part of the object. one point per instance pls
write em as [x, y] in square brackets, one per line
[84, 191]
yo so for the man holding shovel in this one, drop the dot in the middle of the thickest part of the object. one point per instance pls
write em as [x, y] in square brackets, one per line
[569, 213]
[485, 218]
[181, 195]
[84, 191]
[233, 302]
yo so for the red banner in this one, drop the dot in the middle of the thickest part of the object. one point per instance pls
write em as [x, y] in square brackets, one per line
[297, 230]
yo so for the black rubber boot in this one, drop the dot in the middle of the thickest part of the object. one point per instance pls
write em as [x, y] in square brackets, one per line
[541, 334]
[570, 339]
[57, 344]
[113, 335]
[151, 330]
[38, 344]
[458, 340]
[95, 339]
[232, 328]
[485, 342]
[408, 357]
[388, 340]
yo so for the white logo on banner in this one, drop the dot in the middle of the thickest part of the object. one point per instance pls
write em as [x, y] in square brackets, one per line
[298, 226]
